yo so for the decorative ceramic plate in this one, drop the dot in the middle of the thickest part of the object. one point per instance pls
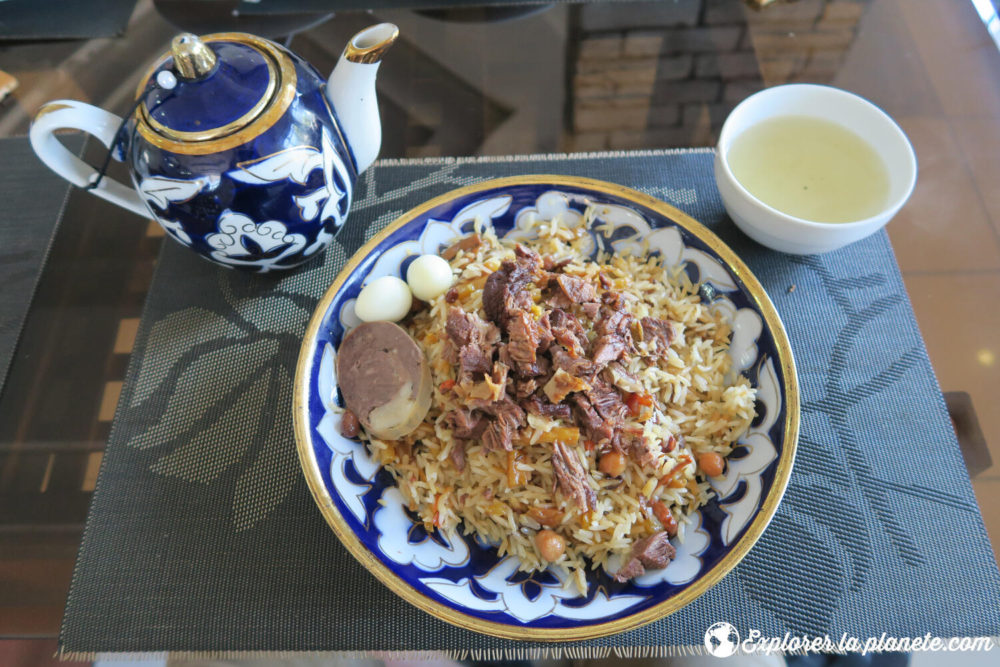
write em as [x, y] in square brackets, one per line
[456, 578]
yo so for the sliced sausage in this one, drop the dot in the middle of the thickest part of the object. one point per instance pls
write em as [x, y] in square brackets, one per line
[384, 379]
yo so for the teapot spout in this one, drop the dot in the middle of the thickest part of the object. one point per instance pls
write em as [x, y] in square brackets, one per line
[351, 91]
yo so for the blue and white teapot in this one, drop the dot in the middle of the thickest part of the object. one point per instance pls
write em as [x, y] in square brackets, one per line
[237, 147]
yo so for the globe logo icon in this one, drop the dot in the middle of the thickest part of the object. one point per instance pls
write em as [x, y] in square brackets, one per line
[722, 640]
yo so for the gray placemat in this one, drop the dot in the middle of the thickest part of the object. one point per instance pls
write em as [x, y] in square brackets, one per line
[32, 202]
[203, 538]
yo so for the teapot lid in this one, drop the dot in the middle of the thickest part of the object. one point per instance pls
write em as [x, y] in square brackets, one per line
[220, 91]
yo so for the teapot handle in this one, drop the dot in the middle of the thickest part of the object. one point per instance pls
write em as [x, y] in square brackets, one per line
[70, 114]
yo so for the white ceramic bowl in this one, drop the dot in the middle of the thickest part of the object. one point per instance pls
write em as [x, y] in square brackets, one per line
[784, 232]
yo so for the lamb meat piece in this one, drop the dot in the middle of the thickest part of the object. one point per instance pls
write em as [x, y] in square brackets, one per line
[504, 293]
[605, 281]
[541, 367]
[473, 359]
[566, 329]
[617, 375]
[469, 243]
[474, 339]
[508, 412]
[594, 427]
[465, 424]
[607, 349]
[661, 332]
[607, 401]
[654, 552]
[550, 263]
[577, 290]
[524, 338]
[574, 365]
[525, 388]
[537, 405]
[617, 322]
[633, 568]
[469, 329]
[562, 385]
[528, 257]
[613, 300]
[571, 477]
[507, 418]
[497, 437]
[545, 337]
[457, 455]
[641, 450]
[591, 310]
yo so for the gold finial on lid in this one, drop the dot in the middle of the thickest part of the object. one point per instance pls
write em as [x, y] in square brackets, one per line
[192, 58]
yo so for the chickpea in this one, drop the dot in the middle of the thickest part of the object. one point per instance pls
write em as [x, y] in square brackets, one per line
[612, 463]
[662, 513]
[551, 545]
[711, 463]
[350, 426]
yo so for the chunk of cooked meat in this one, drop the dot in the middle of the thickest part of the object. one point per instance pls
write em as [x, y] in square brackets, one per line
[654, 552]
[469, 329]
[616, 322]
[607, 401]
[562, 385]
[591, 309]
[506, 417]
[528, 257]
[616, 374]
[642, 450]
[579, 366]
[567, 330]
[571, 477]
[507, 411]
[497, 437]
[575, 289]
[474, 340]
[537, 405]
[504, 293]
[606, 349]
[659, 332]
[473, 359]
[544, 327]
[465, 424]
[524, 338]
[633, 568]
[540, 368]
[469, 243]
[550, 263]
[594, 427]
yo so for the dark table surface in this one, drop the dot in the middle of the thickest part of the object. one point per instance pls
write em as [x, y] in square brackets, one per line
[564, 78]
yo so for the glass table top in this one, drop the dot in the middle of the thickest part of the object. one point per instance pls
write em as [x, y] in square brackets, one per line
[510, 80]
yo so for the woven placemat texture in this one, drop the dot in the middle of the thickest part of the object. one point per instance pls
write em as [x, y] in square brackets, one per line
[203, 538]
[33, 199]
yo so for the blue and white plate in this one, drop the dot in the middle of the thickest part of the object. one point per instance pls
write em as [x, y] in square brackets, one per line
[461, 581]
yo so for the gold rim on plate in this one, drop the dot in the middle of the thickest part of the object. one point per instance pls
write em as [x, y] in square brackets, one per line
[369, 560]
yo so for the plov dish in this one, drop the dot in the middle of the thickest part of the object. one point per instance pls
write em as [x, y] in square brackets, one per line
[602, 228]
[578, 406]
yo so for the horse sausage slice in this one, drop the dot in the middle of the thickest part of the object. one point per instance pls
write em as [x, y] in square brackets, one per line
[384, 379]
